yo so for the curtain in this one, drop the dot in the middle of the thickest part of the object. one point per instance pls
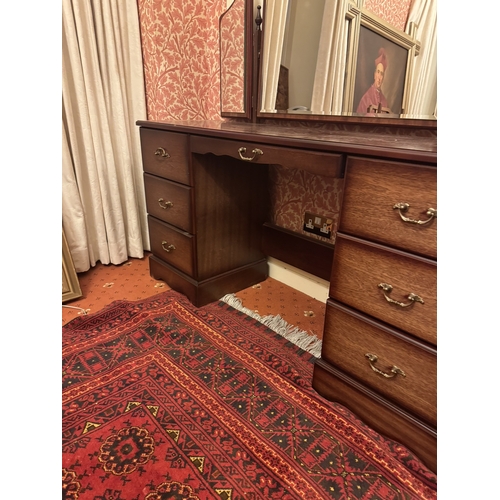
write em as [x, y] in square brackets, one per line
[103, 95]
[275, 21]
[423, 88]
[328, 89]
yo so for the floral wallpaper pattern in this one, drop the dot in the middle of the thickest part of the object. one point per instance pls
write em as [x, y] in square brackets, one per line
[181, 51]
[394, 12]
[180, 44]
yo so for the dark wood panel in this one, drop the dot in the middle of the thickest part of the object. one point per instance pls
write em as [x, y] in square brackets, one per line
[173, 163]
[349, 336]
[318, 163]
[231, 205]
[172, 245]
[204, 292]
[360, 266]
[378, 413]
[312, 256]
[373, 187]
[384, 144]
[169, 201]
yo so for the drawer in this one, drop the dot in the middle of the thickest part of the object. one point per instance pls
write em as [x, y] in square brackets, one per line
[371, 190]
[172, 245]
[349, 337]
[165, 154]
[325, 164]
[359, 267]
[169, 201]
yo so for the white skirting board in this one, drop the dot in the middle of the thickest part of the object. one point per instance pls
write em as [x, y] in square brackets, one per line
[309, 284]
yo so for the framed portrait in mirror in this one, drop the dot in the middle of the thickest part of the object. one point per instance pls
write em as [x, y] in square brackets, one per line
[379, 67]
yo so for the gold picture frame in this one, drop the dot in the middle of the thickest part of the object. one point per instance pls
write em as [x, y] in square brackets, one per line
[70, 285]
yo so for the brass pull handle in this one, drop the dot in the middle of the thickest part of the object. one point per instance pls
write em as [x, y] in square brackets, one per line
[412, 297]
[167, 248]
[255, 152]
[161, 152]
[165, 204]
[403, 207]
[372, 358]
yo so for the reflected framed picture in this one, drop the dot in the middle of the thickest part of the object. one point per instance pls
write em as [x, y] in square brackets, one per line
[379, 65]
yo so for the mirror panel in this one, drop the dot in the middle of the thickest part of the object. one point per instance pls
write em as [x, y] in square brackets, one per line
[314, 45]
[236, 59]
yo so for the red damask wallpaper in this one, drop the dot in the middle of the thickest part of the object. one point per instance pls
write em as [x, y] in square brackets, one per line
[181, 51]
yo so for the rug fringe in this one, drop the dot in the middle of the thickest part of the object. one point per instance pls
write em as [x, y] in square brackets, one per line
[307, 342]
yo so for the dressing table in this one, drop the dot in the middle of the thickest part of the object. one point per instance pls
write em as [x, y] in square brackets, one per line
[207, 192]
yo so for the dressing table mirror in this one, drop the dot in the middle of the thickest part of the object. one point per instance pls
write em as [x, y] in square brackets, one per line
[236, 53]
[311, 61]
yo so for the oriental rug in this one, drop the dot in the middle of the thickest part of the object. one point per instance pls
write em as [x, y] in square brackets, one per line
[162, 400]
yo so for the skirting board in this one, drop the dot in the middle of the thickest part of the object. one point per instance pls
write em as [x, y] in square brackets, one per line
[309, 284]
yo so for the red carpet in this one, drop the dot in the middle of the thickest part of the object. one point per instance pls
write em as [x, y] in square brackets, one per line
[165, 401]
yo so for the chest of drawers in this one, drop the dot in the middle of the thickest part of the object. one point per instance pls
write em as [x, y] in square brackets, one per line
[204, 222]
[380, 336]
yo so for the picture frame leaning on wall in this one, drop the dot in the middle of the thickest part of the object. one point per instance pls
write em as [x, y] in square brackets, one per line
[379, 65]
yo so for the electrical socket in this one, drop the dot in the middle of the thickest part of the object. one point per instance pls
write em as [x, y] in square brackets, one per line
[318, 224]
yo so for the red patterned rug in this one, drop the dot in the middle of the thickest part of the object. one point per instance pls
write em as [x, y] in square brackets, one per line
[162, 400]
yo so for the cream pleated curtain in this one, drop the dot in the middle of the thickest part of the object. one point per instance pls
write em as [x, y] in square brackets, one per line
[423, 89]
[328, 88]
[103, 202]
[272, 48]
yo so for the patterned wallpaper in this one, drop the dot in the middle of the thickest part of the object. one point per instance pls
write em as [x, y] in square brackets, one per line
[181, 53]
[180, 43]
[394, 12]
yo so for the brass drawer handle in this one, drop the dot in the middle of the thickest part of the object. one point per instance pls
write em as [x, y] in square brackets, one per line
[372, 358]
[255, 152]
[403, 207]
[167, 248]
[161, 152]
[412, 297]
[165, 204]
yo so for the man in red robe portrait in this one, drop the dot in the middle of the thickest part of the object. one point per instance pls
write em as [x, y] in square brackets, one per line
[374, 100]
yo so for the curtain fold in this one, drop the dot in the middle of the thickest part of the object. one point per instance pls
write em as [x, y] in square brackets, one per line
[103, 201]
[328, 89]
[423, 88]
[274, 33]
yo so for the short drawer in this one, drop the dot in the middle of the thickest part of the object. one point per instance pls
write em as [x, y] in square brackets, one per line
[169, 201]
[359, 270]
[172, 245]
[325, 164]
[372, 188]
[165, 154]
[384, 359]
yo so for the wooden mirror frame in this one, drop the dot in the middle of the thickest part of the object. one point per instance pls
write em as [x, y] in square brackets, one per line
[248, 77]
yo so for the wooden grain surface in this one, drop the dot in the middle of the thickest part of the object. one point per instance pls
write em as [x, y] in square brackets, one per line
[349, 336]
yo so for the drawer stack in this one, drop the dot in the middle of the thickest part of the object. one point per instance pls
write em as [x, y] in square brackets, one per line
[204, 222]
[380, 337]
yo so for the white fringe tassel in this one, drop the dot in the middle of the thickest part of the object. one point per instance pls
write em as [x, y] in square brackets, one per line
[307, 342]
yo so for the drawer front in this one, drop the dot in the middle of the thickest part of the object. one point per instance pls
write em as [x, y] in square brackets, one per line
[172, 245]
[169, 201]
[349, 338]
[359, 267]
[371, 190]
[165, 154]
[325, 164]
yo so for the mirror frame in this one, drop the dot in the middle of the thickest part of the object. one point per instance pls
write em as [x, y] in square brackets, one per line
[248, 78]
[377, 119]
